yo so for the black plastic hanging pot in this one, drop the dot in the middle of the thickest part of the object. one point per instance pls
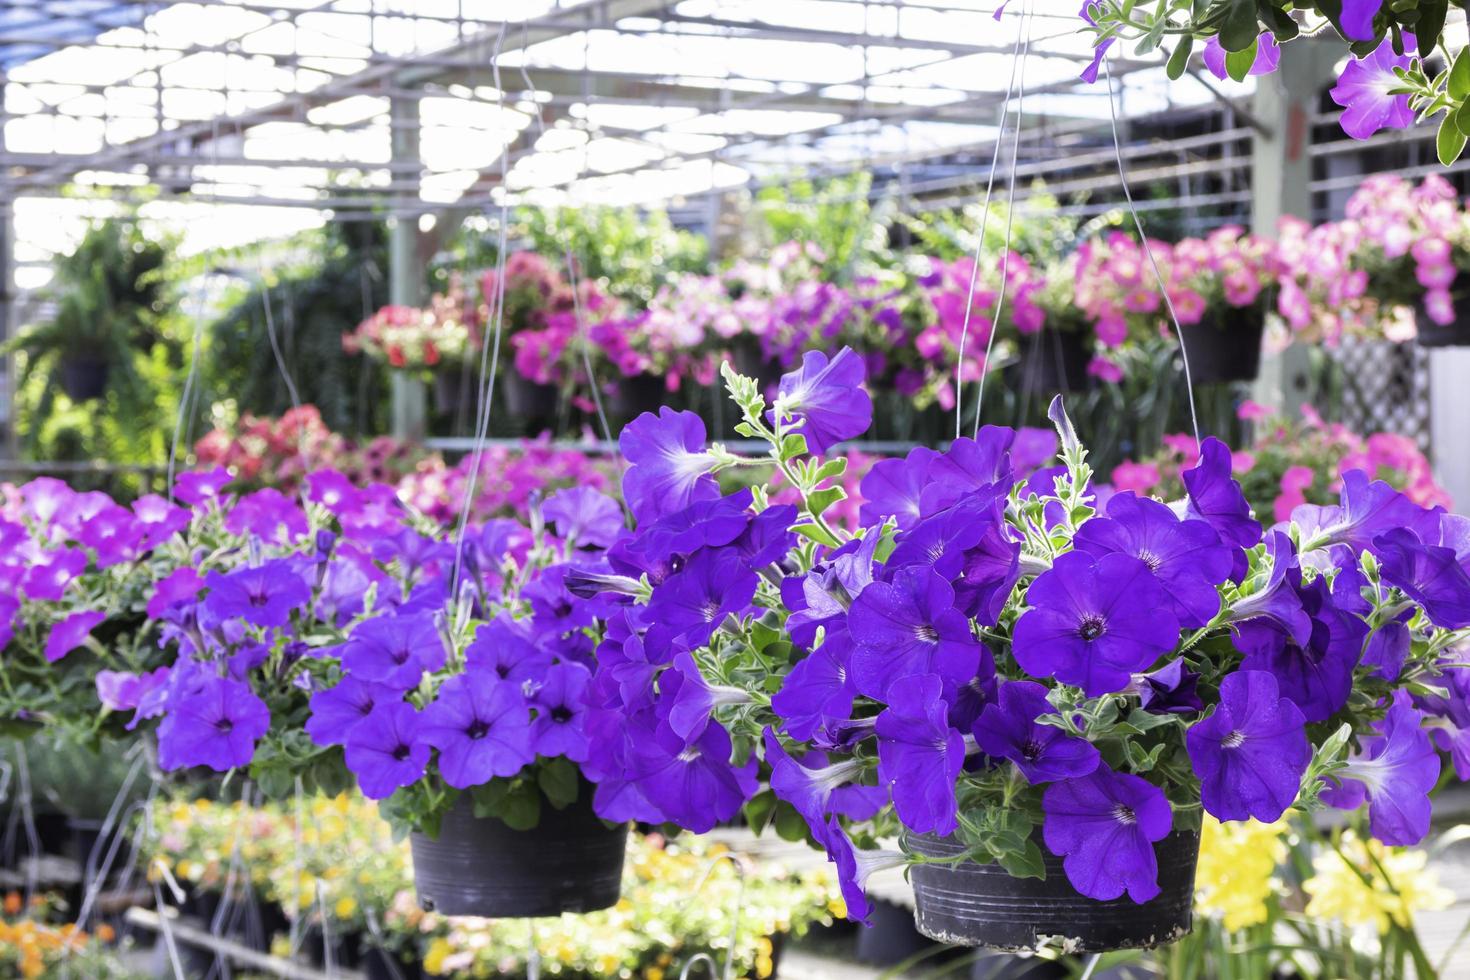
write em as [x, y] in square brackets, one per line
[527, 399]
[1220, 352]
[84, 378]
[638, 394]
[1051, 361]
[752, 362]
[569, 862]
[1456, 333]
[968, 904]
[452, 388]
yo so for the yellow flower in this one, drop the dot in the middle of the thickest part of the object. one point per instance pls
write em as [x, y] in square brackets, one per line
[346, 907]
[439, 951]
[1236, 861]
[837, 907]
[1338, 889]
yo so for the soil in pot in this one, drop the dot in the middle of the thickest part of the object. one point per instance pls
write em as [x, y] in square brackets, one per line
[1453, 334]
[83, 378]
[972, 904]
[1051, 361]
[569, 862]
[1224, 352]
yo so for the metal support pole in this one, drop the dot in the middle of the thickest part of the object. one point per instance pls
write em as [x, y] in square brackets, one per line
[9, 437]
[405, 272]
[1281, 179]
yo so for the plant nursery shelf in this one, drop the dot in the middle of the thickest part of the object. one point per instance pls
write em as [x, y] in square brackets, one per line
[243, 955]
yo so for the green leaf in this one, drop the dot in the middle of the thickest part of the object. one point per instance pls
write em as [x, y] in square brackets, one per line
[1238, 63]
[489, 797]
[793, 445]
[1278, 20]
[814, 532]
[1430, 27]
[831, 468]
[1459, 80]
[759, 810]
[1179, 59]
[820, 500]
[1462, 116]
[1450, 142]
[1025, 863]
[1239, 30]
[790, 825]
[560, 781]
[521, 808]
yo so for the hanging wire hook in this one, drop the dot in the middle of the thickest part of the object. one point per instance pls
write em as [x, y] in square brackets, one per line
[1153, 262]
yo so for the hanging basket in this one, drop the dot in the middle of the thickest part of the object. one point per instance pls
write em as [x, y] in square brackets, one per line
[1453, 334]
[638, 394]
[569, 862]
[1221, 352]
[452, 389]
[752, 362]
[83, 378]
[970, 904]
[1051, 361]
[527, 399]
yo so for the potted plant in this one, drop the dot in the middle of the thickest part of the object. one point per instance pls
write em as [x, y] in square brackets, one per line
[109, 294]
[1219, 289]
[432, 343]
[1037, 691]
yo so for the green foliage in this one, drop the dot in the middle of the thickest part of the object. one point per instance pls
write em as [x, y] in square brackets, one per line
[79, 779]
[834, 215]
[312, 304]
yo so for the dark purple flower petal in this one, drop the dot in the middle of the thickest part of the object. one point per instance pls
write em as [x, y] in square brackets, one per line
[909, 627]
[338, 710]
[1251, 753]
[1362, 91]
[1394, 770]
[216, 725]
[1103, 826]
[827, 397]
[919, 755]
[1043, 753]
[71, 633]
[481, 727]
[1216, 499]
[386, 752]
[584, 516]
[394, 650]
[669, 468]
[891, 488]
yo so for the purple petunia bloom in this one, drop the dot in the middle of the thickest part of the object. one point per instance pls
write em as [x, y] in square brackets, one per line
[1448, 716]
[687, 699]
[909, 627]
[1216, 498]
[267, 514]
[1278, 599]
[1363, 92]
[854, 868]
[216, 724]
[669, 468]
[818, 690]
[1429, 574]
[394, 650]
[703, 524]
[822, 597]
[943, 540]
[47, 579]
[387, 751]
[891, 488]
[812, 791]
[968, 465]
[1170, 690]
[1388, 647]
[1316, 675]
[114, 535]
[337, 711]
[1103, 826]
[160, 519]
[1043, 753]
[120, 690]
[1093, 623]
[265, 595]
[1187, 557]
[827, 397]
[1394, 772]
[1251, 753]
[481, 727]
[71, 633]
[584, 516]
[1268, 55]
[1357, 19]
[178, 588]
[198, 489]
[692, 603]
[1366, 509]
[919, 755]
[768, 538]
[694, 784]
[560, 705]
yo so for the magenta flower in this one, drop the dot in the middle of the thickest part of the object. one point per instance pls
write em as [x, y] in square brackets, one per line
[1251, 753]
[1094, 623]
[481, 727]
[198, 489]
[1103, 826]
[386, 751]
[1363, 91]
[827, 397]
[47, 579]
[71, 633]
[267, 514]
[919, 755]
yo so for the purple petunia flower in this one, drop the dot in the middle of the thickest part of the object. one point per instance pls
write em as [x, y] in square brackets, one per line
[71, 633]
[584, 516]
[1251, 753]
[120, 690]
[695, 785]
[1169, 690]
[827, 397]
[692, 603]
[1103, 826]
[1363, 92]
[114, 535]
[178, 588]
[1093, 623]
[968, 465]
[891, 488]
[1043, 753]
[265, 595]
[1448, 716]
[822, 597]
[267, 514]
[560, 705]
[160, 519]
[1279, 598]
[1429, 574]
[768, 538]
[909, 627]
[387, 751]
[216, 724]
[703, 524]
[1317, 676]
[1216, 498]
[855, 867]
[687, 699]
[1187, 557]
[818, 691]
[503, 646]
[814, 792]
[1357, 19]
[943, 540]
[1366, 509]
[337, 711]
[1394, 772]
[919, 755]
[47, 579]
[1268, 55]
[481, 727]
[394, 650]
[669, 468]
[199, 489]
[1388, 647]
